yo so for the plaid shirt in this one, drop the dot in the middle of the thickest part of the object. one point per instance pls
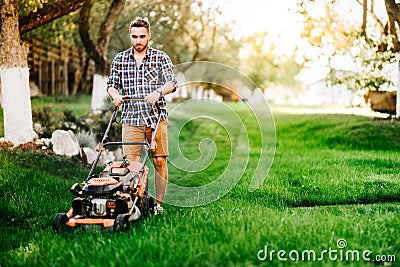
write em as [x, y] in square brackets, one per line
[138, 81]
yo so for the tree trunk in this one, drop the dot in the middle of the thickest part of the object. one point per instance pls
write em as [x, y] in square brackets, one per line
[398, 91]
[98, 93]
[14, 74]
[393, 12]
[108, 26]
[98, 51]
[364, 23]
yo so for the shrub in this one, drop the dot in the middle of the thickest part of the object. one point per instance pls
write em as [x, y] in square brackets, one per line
[89, 129]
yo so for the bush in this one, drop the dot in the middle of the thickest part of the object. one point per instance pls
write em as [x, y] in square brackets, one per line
[89, 129]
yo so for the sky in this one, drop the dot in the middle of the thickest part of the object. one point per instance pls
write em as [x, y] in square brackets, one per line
[278, 18]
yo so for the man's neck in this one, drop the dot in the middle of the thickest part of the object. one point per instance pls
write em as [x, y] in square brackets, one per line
[139, 56]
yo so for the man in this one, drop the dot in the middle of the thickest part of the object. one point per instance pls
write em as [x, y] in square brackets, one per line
[143, 72]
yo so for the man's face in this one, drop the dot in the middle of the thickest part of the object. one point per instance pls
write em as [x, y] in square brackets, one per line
[139, 38]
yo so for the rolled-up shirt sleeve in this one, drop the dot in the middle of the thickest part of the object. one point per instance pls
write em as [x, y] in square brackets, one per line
[114, 79]
[168, 71]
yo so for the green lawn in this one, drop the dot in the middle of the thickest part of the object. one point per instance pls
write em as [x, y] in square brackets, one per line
[334, 180]
[80, 104]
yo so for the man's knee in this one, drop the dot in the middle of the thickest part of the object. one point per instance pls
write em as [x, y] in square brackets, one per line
[160, 162]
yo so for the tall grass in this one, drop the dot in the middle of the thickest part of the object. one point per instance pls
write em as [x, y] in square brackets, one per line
[333, 177]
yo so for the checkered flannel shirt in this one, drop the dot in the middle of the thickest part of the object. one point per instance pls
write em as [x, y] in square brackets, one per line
[138, 81]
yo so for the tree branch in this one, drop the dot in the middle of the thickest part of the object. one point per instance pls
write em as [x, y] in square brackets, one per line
[84, 27]
[374, 16]
[393, 12]
[108, 24]
[98, 52]
[48, 13]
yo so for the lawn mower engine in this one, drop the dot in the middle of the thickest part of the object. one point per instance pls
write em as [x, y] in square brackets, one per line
[111, 200]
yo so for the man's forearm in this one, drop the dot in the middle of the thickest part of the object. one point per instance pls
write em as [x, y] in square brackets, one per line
[167, 88]
[112, 92]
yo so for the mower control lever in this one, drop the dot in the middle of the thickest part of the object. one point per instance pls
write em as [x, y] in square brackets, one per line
[76, 190]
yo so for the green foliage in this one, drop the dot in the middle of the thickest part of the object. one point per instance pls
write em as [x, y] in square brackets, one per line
[27, 6]
[321, 163]
[63, 30]
[48, 121]
[50, 115]
[87, 126]
[265, 68]
[79, 104]
[335, 38]
[70, 113]
[186, 30]
[98, 124]
[1, 123]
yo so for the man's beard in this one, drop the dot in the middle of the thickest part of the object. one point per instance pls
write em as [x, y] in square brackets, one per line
[140, 48]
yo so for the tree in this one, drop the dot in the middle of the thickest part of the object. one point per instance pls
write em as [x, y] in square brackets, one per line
[185, 29]
[266, 68]
[385, 46]
[14, 77]
[364, 20]
[393, 12]
[14, 72]
[97, 51]
[375, 51]
[47, 13]
[188, 30]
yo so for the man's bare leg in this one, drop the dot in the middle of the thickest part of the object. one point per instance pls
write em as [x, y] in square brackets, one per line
[161, 177]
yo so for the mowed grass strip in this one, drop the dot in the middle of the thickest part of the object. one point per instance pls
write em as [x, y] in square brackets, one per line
[333, 177]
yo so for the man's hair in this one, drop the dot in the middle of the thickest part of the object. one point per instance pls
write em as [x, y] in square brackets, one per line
[138, 23]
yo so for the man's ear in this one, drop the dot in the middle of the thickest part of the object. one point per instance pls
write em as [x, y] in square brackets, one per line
[149, 35]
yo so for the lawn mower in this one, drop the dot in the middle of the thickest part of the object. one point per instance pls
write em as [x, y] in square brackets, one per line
[117, 195]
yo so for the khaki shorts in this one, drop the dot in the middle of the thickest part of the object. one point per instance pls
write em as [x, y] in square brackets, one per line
[137, 134]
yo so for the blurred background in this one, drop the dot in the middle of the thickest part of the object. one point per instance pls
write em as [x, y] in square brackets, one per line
[314, 52]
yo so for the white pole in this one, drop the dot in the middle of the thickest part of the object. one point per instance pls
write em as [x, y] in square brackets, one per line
[398, 91]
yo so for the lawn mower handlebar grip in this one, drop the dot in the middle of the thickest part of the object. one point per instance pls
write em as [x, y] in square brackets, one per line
[131, 98]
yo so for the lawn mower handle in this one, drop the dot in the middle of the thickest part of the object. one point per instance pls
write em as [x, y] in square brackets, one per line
[155, 126]
[114, 119]
[128, 98]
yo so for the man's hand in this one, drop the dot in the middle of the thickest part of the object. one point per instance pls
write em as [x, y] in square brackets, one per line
[115, 96]
[152, 98]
